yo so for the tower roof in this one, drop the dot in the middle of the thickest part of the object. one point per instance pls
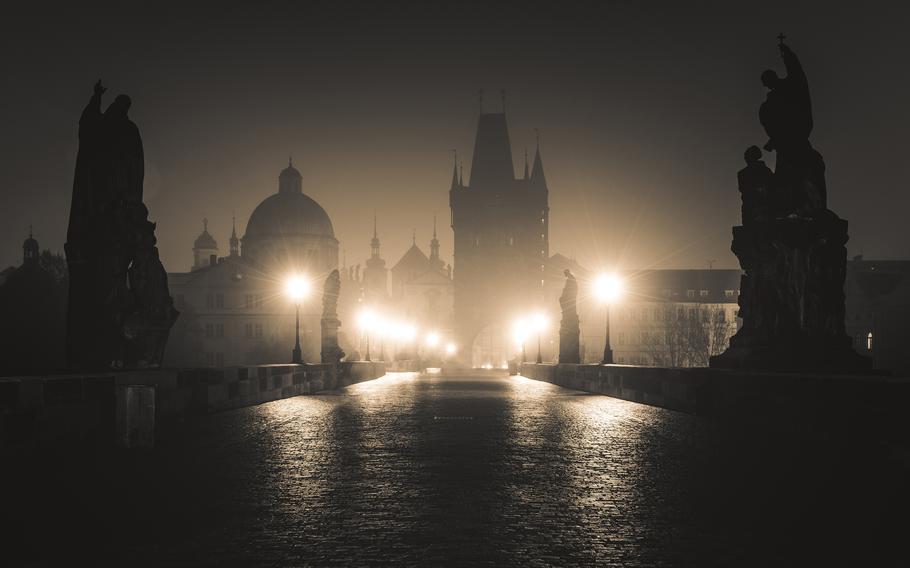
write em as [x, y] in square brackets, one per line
[413, 259]
[538, 179]
[205, 240]
[492, 163]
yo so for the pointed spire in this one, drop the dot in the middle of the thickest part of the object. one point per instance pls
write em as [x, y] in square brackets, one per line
[527, 176]
[374, 244]
[537, 176]
[234, 241]
[414, 237]
[435, 262]
[290, 162]
[461, 174]
[455, 180]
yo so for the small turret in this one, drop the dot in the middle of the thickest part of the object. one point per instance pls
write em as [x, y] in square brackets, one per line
[30, 250]
[204, 248]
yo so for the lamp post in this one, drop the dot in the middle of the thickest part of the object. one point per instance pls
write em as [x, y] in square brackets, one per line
[367, 324]
[297, 288]
[607, 288]
[540, 322]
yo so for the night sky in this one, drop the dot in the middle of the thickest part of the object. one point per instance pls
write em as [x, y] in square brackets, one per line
[644, 110]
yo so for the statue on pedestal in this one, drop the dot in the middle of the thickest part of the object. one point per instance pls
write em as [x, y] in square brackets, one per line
[119, 311]
[790, 245]
[331, 352]
[569, 349]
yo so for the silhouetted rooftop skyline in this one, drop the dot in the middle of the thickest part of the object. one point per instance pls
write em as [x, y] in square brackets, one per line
[644, 113]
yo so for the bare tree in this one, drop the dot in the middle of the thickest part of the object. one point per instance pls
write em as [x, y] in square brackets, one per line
[690, 336]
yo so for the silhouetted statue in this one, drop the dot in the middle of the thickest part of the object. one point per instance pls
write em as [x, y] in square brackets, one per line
[331, 352]
[119, 310]
[790, 246]
[755, 187]
[569, 349]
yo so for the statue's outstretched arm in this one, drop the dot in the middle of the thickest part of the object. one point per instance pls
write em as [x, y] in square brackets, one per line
[791, 62]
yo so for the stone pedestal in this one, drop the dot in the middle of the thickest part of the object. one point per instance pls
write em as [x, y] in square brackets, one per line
[331, 352]
[792, 297]
[568, 339]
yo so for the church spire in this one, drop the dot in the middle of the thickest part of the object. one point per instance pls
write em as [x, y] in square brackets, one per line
[455, 181]
[234, 241]
[435, 262]
[538, 179]
[374, 243]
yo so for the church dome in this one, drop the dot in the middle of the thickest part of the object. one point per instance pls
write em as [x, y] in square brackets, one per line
[289, 214]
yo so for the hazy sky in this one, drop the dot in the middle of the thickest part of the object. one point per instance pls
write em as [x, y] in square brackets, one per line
[644, 110]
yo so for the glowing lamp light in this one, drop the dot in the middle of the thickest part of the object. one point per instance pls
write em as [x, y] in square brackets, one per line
[297, 288]
[432, 339]
[608, 288]
[368, 320]
[520, 331]
[539, 322]
[451, 348]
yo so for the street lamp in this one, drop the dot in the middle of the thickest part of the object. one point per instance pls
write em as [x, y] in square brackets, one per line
[607, 289]
[367, 323]
[297, 288]
[539, 321]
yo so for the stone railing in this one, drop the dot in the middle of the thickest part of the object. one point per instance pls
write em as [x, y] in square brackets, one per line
[762, 397]
[87, 407]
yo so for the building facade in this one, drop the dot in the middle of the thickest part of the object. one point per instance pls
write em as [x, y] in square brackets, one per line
[234, 310]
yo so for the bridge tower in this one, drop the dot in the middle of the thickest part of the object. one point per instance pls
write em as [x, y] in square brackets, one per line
[501, 232]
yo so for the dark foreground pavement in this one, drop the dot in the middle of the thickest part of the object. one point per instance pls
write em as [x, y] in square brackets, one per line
[434, 470]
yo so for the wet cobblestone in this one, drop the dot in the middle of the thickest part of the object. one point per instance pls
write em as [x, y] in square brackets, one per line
[415, 470]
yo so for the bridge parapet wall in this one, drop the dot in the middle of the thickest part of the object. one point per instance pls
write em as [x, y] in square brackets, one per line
[813, 401]
[83, 407]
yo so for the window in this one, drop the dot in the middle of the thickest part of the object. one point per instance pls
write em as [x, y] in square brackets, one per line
[728, 293]
[869, 341]
[210, 359]
[680, 313]
[645, 337]
[219, 300]
[219, 359]
[258, 330]
[690, 293]
[703, 293]
[706, 316]
[693, 315]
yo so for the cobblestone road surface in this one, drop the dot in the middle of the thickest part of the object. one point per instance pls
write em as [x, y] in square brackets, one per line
[437, 470]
